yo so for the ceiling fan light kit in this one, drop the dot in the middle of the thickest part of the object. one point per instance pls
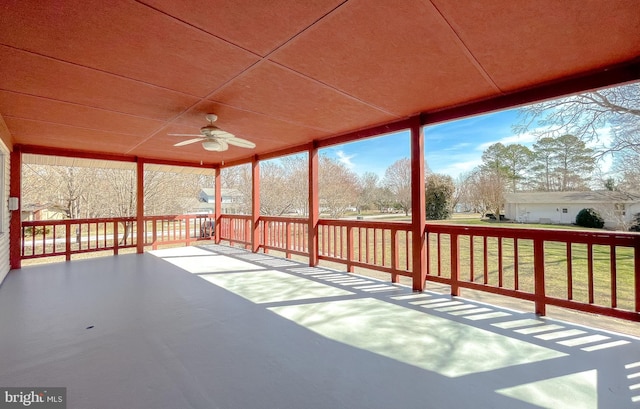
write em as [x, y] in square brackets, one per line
[215, 139]
[212, 145]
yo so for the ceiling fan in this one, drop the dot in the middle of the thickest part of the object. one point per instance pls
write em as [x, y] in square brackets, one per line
[214, 138]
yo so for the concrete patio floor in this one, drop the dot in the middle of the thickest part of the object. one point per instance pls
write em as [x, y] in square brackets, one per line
[219, 327]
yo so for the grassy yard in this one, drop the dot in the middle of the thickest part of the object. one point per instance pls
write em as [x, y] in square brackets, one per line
[556, 266]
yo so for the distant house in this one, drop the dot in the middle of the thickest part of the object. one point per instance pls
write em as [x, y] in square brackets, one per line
[232, 200]
[36, 212]
[617, 208]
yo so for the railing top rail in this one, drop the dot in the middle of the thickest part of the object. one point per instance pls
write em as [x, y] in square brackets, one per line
[370, 224]
[180, 217]
[236, 216]
[574, 236]
[285, 219]
[36, 223]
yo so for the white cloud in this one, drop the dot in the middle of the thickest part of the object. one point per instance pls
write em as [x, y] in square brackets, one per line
[457, 168]
[527, 139]
[345, 159]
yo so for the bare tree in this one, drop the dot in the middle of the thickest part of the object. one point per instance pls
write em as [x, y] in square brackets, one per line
[584, 116]
[296, 167]
[239, 178]
[367, 190]
[397, 178]
[627, 166]
[487, 190]
[462, 193]
[274, 189]
[337, 186]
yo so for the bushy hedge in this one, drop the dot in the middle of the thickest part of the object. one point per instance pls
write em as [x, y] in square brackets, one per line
[589, 218]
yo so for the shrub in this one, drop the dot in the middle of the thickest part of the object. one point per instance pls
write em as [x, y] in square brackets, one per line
[439, 196]
[589, 218]
[38, 231]
[635, 223]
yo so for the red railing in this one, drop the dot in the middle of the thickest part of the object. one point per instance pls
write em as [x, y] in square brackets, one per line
[602, 276]
[74, 236]
[180, 229]
[287, 234]
[236, 229]
[382, 246]
[49, 238]
[596, 272]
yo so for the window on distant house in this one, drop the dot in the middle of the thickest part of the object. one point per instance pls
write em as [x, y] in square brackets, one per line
[565, 210]
[619, 209]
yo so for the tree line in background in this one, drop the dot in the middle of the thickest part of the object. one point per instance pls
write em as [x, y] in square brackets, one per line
[83, 192]
[284, 188]
[560, 160]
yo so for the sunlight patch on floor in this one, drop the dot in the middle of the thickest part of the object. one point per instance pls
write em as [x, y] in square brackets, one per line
[197, 263]
[180, 252]
[273, 286]
[576, 391]
[436, 344]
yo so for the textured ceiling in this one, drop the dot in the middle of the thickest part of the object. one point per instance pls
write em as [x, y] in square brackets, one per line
[116, 77]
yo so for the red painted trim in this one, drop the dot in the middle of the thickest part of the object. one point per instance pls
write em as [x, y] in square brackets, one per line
[636, 273]
[455, 264]
[594, 309]
[15, 227]
[285, 152]
[418, 211]
[255, 204]
[71, 153]
[374, 131]
[608, 77]
[539, 278]
[141, 231]
[314, 205]
[218, 205]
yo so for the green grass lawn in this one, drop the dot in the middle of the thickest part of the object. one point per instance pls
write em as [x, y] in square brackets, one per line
[556, 266]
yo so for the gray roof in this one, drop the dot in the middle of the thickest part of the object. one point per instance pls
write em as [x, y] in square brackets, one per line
[591, 196]
[226, 192]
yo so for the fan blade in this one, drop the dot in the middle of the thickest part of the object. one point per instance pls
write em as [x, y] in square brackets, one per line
[187, 142]
[184, 134]
[219, 133]
[223, 144]
[242, 143]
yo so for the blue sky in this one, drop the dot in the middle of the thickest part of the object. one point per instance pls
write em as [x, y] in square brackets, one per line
[451, 148]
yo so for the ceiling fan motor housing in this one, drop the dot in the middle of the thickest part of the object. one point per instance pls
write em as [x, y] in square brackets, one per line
[208, 130]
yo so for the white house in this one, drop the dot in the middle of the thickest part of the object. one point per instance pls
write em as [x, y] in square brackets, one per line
[232, 200]
[617, 208]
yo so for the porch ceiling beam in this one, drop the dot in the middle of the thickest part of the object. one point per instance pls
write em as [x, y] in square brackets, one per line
[608, 77]
[71, 153]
